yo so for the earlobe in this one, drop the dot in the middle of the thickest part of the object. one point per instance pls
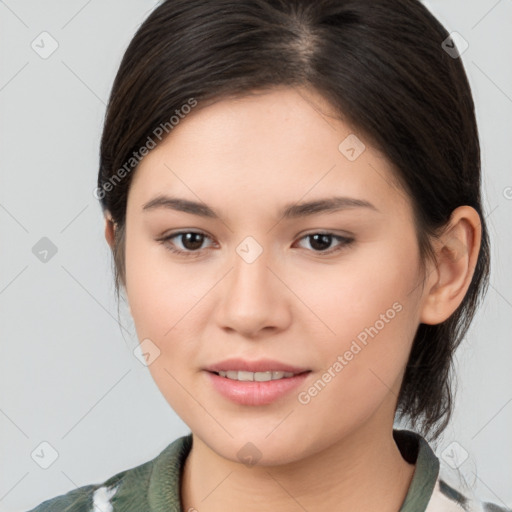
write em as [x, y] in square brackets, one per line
[456, 256]
[109, 230]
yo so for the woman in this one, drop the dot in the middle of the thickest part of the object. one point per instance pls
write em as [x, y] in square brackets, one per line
[291, 194]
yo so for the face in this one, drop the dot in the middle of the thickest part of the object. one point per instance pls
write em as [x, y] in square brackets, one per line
[330, 295]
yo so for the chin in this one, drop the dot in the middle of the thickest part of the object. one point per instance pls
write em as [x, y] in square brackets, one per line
[253, 448]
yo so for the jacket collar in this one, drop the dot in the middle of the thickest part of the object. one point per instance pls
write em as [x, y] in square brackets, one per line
[165, 480]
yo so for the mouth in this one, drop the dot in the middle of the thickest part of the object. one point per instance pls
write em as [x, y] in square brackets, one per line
[255, 382]
[245, 376]
[261, 368]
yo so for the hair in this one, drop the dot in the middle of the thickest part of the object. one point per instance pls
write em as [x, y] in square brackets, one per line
[379, 63]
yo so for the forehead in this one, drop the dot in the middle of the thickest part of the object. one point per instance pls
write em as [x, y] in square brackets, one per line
[269, 147]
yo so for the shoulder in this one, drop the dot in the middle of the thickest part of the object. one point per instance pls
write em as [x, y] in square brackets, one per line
[447, 498]
[97, 496]
[77, 500]
[429, 490]
[126, 491]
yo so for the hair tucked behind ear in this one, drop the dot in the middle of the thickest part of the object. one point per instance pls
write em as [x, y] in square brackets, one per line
[381, 66]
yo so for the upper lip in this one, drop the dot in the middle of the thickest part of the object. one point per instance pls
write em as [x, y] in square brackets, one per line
[260, 365]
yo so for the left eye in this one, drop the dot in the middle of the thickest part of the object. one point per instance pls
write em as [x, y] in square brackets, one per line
[192, 242]
[321, 240]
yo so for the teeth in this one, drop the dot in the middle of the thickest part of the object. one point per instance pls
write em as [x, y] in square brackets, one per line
[255, 376]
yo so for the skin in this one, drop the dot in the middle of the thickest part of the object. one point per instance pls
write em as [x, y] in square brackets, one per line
[246, 158]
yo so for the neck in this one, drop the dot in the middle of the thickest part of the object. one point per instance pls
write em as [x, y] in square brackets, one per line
[363, 471]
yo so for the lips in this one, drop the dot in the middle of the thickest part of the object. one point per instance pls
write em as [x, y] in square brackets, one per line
[253, 393]
[255, 383]
[260, 365]
[255, 376]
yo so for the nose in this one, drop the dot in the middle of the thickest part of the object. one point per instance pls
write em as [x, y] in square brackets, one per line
[255, 300]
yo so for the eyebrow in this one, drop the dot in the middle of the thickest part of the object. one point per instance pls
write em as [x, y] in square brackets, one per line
[290, 211]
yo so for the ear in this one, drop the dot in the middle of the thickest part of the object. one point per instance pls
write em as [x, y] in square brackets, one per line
[456, 256]
[109, 230]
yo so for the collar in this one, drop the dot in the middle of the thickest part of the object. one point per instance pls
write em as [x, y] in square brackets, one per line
[165, 481]
[415, 449]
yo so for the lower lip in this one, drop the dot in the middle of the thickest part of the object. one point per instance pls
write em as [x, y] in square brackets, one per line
[255, 393]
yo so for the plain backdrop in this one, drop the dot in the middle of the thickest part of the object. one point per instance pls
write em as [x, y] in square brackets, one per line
[68, 376]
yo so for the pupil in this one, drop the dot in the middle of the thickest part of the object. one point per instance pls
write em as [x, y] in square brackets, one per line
[324, 241]
[190, 240]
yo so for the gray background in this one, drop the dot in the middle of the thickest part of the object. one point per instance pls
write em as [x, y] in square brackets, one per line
[68, 375]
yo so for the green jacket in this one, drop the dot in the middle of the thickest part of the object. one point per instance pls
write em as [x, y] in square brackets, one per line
[154, 486]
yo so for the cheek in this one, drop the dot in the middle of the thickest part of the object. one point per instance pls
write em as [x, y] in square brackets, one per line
[371, 316]
[366, 288]
[160, 293]
[165, 306]
[168, 304]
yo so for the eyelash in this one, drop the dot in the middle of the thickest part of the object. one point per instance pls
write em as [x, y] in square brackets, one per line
[345, 242]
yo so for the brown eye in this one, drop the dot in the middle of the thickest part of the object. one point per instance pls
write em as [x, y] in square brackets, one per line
[189, 242]
[192, 241]
[321, 242]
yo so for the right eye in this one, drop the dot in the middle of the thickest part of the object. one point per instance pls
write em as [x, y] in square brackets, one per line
[191, 242]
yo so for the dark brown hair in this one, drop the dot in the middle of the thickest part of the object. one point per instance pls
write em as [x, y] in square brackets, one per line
[382, 67]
